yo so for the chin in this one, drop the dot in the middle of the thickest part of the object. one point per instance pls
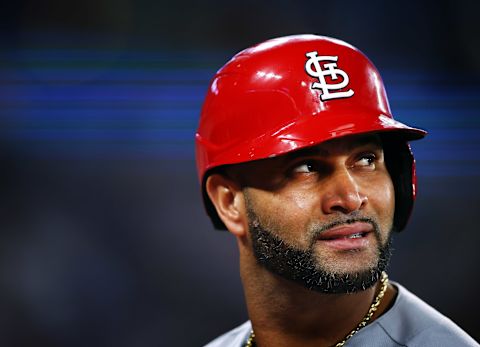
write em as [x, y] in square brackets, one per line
[351, 263]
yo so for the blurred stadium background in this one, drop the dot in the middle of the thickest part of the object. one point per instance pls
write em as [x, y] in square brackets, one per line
[103, 239]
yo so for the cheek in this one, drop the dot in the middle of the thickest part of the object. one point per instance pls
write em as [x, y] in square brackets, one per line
[300, 201]
[297, 210]
[383, 201]
[288, 214]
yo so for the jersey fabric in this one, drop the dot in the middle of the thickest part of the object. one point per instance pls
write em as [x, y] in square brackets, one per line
[409, 322]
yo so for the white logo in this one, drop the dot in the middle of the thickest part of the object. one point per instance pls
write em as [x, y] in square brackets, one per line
[330, 69]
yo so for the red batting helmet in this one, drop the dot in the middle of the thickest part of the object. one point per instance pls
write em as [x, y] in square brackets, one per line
[294, 92]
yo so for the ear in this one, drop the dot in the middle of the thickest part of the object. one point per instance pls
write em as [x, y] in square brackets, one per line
[227, 197]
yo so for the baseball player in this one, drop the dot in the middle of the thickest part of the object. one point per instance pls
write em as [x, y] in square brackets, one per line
[299, 157]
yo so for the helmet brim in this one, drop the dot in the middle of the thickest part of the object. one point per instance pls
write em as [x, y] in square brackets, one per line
[311, 131]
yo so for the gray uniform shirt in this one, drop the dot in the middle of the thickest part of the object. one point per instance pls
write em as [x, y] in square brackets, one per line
[409, 322]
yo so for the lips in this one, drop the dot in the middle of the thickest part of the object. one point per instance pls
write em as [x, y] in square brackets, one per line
[347, 236]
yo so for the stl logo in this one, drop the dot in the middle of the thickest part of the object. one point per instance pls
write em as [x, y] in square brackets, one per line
[315, 69]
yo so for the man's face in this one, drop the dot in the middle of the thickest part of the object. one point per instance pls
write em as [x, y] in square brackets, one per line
[323, 216]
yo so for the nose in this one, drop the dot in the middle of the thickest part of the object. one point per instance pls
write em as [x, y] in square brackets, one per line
[342, 193]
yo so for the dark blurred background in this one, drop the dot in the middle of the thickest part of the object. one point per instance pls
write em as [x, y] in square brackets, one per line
[103, 239]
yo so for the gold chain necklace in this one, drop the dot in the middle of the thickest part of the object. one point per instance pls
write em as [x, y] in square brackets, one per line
[362, 324]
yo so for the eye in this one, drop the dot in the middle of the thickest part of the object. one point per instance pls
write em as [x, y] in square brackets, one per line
[366, 160]
[305, 167]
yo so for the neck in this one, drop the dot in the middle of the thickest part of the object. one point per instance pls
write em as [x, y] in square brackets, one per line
[284, 313]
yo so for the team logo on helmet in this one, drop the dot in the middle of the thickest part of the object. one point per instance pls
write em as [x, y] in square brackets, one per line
[315, 69]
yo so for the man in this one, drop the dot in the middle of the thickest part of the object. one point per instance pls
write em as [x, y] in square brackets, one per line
[300, 159]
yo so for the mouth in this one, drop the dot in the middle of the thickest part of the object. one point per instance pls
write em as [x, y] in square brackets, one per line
[356, 236]
[346, 237]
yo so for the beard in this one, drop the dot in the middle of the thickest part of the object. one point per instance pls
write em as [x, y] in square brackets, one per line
[301, 266]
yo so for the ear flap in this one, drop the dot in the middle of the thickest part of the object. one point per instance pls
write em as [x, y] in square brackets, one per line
[401, 166]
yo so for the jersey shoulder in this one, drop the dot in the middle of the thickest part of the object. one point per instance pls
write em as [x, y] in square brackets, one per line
[412, 322]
